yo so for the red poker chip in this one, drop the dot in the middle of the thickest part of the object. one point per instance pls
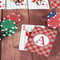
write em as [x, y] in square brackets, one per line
[13, 16]
[54, 22]
[4, 18]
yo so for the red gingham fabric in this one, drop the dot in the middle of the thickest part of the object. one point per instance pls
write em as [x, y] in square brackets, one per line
[55, 3]
[42, 50]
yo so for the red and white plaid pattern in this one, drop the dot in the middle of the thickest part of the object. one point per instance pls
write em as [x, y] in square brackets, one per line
[55, 3]
[45, 51]
[54, 22]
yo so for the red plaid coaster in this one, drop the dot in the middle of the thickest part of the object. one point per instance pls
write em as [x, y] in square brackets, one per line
[41, 41]
[55, 3]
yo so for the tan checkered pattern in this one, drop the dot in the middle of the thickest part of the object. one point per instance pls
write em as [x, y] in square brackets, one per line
[55, 3]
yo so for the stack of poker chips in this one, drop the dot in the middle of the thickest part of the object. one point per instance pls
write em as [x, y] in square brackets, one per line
[53, 20]
[2, 33]
[8, 26]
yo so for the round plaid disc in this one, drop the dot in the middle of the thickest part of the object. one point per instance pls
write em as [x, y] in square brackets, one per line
[2, 34]
[9, 27]
[51, 14]
[14, 17]
[54, 22]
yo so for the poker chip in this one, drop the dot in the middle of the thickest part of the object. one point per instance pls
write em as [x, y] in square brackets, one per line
[51, 14]
[54, 22]
[9, 27]
[13, 16]
[2, 34]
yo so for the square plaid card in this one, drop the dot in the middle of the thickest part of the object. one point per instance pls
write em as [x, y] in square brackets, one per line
[55, 3]
[41, 41]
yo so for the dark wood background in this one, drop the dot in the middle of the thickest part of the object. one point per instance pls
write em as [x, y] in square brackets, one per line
[10, 45]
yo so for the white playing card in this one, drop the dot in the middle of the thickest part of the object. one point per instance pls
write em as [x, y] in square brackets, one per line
[2, 4]
[23, 37]
[38, 4]
[16, 4]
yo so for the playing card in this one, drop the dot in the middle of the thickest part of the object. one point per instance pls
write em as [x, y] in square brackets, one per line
[55, 3]
[2, 4]
[38, 4]
[16, 4]
[41, 41]
[24, 37]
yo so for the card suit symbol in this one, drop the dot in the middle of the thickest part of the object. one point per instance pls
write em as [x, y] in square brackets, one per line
[47, 5]
[43, 4]
[23, 27]
[0, 6]
[25, 4]
[0, 2]
[3, 5]
[22, 4]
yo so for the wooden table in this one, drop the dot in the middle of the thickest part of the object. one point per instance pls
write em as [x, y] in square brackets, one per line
[10, 45]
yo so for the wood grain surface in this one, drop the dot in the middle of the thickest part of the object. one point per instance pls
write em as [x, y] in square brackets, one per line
[10, 45]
